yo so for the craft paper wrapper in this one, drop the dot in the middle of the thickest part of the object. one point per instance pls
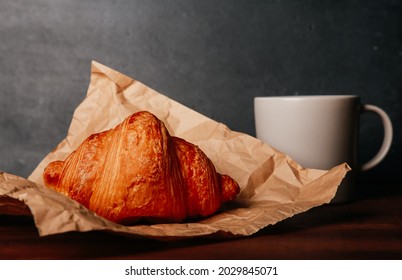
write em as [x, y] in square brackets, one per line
[273, 186]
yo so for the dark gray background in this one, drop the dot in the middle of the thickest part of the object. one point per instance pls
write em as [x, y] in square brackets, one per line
[212, 56]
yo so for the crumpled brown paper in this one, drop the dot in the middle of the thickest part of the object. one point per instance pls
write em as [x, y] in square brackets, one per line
[273, 186]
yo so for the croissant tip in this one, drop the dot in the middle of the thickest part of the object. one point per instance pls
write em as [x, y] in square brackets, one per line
[51, 174]
[230, 188]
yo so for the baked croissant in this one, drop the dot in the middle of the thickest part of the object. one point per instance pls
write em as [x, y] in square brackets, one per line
[138, 171]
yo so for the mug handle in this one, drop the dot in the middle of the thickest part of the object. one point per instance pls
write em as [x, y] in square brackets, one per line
[388, 134]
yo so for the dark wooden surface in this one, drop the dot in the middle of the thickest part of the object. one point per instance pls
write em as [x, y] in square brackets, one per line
[369, 228]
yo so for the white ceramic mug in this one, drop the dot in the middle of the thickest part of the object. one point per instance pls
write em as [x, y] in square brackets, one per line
[319, 131]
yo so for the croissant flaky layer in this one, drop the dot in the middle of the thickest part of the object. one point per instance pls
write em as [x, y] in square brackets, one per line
[139, 171]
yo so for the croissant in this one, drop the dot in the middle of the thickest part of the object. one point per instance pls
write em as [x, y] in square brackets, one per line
[139, 171]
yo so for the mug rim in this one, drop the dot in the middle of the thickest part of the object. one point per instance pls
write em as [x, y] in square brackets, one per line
[321, 96]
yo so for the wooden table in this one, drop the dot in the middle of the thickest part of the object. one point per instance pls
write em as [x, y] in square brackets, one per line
[369, 228]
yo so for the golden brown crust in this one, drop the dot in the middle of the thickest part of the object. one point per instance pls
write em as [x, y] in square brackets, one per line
[200, 178]
[137, 170]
